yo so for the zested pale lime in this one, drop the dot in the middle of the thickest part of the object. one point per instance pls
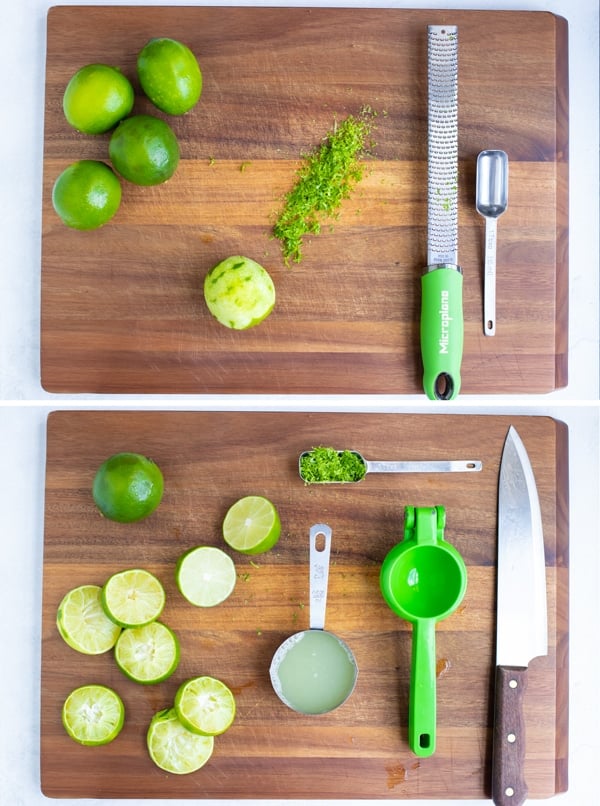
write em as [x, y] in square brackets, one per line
[174, 748]
[252, 525]
[205, 576]
[93, 714]
[239, 292]
[205, 706]
[133, 597]
[147, 654]
[82, 622]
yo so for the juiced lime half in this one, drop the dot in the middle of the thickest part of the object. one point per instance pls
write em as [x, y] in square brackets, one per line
[252, 525]
[93, 715]
[133, 597]
[147, 654]
[174, 748]
[82, 622]
[205, 576]
[205, 706]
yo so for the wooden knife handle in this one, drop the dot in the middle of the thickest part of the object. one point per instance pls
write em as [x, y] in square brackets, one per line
[508, 756]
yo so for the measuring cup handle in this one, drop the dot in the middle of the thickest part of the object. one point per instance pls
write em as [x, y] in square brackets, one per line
[320, 549]
[422, 701]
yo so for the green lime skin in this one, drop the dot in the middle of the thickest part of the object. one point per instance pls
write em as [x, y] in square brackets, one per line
[86, 195]
[144, 150]
[169, 75]
[96, 98]
[127, 487]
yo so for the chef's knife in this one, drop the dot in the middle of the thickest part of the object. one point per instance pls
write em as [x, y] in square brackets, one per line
[522, 624]
[441, 284]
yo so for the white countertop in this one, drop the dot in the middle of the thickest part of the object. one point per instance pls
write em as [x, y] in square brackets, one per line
[24, 405]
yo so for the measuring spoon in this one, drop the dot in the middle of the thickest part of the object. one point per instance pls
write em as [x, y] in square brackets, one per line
[314, 671]
[363, 466]
[423, 579]
[491, 200]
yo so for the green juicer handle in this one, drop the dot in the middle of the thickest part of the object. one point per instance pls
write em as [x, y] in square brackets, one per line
[422, 704]
[442, 331]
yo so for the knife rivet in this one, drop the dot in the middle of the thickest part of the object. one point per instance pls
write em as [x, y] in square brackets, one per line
[511, 738]
[509, 791]
[513, 683]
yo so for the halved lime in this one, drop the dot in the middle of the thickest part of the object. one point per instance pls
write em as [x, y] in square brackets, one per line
[205, 576]
[239, 292]
[147, 654]
[173, 747]
[93, 714]
[133, 597]
[205, 706]
[252, 525]
[82, 622]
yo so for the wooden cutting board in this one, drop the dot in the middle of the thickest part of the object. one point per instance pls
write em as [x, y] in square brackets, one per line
[122, 309]
[360, 750]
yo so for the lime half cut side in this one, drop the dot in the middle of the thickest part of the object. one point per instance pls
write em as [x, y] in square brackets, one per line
[82, 622]
[205, 706]
[147, 654]
[252, 525]
[133, 598]
[174, 748]
[206, 576]
[93, 714]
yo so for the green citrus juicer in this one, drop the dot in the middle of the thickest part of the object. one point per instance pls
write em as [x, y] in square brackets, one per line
[423, 579]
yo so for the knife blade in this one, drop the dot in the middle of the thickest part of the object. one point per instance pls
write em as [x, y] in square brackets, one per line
[522, 622]
[441, 285]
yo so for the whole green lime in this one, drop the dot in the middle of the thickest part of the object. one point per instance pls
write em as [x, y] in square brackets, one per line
[86, 195]
[96, 98]
[169, 75]
[127, 487]
[144, 150]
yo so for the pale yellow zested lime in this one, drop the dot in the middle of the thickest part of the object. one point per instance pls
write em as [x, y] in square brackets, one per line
[239, 292]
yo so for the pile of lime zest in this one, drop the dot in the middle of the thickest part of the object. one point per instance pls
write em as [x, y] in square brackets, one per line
[326, 177]
[329, 464]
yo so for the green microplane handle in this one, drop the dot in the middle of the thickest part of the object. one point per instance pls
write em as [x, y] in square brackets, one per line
[442, 331]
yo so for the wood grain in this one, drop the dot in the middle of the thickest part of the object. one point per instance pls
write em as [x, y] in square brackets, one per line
[209, 459]
[122, 309]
